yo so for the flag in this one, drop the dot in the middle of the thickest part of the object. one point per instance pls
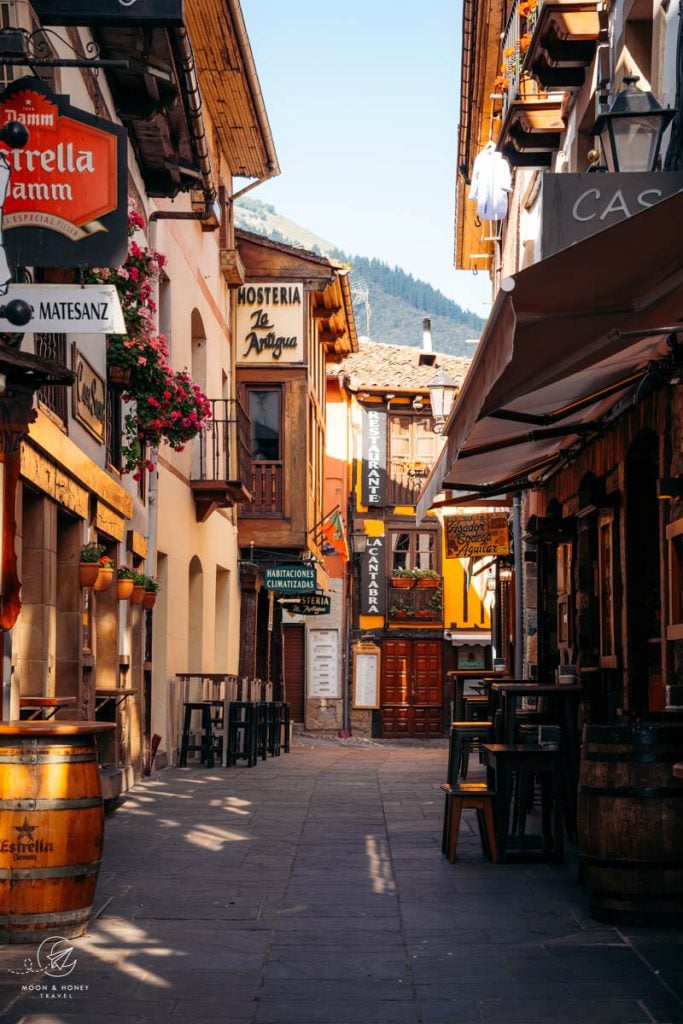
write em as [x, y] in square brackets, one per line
[334, 535]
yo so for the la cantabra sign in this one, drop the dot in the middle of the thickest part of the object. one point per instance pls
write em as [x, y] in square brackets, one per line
[65, 201]
[270, 323]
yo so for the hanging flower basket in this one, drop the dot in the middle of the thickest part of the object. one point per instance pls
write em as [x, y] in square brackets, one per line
[88, 573]
[403, 582]
[149, 599]
[428, 581]
[137, 593]
[124, 588]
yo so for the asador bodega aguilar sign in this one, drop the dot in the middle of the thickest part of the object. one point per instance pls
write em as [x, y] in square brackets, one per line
[65, 190]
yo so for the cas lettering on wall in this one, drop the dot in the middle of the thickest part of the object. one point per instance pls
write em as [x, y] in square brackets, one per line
[65, 200]
[270, 323]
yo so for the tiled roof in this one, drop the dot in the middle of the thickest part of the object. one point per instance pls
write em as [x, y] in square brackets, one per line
[396, 366]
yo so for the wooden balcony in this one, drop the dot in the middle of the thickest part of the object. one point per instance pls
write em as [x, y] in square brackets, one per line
[415, 605]
[267, 491]
[547, 47]
[405, 480]
[221, 470]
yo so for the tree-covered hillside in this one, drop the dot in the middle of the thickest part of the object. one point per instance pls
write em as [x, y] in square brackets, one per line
[389, 303]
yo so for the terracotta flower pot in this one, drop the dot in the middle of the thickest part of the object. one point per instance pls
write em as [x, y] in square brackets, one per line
[149, 599]
[124, 588]
[137, 594]
[428, 581]
[402, 581]
[104, 578]
[119, 376]
[88, 573]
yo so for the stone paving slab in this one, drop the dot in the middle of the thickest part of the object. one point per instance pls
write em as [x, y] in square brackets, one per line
[311, 889]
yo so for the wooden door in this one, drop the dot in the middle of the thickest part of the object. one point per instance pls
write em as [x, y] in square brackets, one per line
[411, 691]
[294, 670]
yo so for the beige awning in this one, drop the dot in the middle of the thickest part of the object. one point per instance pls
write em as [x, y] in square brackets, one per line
[570, 342]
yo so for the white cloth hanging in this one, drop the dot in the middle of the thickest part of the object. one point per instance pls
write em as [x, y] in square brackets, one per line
[5, 273]
[491, 183]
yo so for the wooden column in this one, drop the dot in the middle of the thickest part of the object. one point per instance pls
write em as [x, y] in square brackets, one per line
[250, 585]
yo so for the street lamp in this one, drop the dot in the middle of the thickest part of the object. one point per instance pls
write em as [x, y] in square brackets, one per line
[441, 395]
[631, 130]
[359, 544]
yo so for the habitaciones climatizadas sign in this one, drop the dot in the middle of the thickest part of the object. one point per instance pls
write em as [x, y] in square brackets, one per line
[65, 201]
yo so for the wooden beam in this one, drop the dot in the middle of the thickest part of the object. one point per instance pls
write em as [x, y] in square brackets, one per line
[324, 313]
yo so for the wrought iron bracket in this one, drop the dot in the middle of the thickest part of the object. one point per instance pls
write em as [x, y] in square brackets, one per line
[20, 47]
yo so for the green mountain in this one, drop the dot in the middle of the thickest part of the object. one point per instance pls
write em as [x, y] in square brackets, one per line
[389, 304]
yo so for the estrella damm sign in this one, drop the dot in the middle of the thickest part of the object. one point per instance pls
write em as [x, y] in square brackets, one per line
[65, 198]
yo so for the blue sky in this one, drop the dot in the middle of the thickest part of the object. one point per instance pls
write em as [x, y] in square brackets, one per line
[362, 100]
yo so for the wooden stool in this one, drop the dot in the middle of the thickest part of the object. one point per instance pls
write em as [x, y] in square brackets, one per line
[475, 795]
[463, 735]
[242, 738]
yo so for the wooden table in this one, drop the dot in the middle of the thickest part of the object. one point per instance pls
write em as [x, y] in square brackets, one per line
[43, 708]
[503, 762]
[511, 689]
[459, 677]
[118, 696]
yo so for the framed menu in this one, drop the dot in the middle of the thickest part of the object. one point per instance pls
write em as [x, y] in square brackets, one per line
[366, 665]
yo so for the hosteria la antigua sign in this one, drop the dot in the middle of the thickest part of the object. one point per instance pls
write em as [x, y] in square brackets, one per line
[65, 190]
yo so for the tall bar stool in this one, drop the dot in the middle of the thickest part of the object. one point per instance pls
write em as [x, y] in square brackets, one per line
[206, 740]
[463, 737]
[242, 739]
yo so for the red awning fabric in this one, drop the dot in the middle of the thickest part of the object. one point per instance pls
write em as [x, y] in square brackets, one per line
[568, 342]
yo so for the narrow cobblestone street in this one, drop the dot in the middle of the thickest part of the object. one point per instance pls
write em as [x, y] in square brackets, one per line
[312, 890]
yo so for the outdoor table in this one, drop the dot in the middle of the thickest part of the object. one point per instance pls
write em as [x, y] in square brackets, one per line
[503, 761]
[459, 677]
[52, 818]
[511, 689]
[104, 696]
[44, 708]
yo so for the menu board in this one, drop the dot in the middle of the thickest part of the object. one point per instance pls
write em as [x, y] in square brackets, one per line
[323, 663]
[366, 662]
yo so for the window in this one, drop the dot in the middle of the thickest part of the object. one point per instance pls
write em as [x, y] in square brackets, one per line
[413, 448]
[53, 396]
[413, 550]
[264, 413]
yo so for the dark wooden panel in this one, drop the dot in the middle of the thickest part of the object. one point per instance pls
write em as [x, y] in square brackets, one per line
[295, 670]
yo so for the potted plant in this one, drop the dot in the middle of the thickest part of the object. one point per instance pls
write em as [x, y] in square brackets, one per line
[150, 595]
[138, 591]
[402, 577]
[89, 565]
[105, 574]
[125, 581]
[427, 578]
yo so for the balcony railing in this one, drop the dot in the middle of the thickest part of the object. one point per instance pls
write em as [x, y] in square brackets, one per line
[267, 499]
[418, 604]
[221, 470]
[406, 478]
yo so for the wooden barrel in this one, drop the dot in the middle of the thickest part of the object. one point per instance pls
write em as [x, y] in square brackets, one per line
[630, 821]
[51, 828]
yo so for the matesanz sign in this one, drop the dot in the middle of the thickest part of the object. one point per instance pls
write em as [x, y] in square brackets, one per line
[66, 200]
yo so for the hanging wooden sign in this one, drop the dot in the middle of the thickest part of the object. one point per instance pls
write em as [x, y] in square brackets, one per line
[472, 536]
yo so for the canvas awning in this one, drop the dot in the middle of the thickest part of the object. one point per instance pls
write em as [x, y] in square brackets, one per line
[569, 343]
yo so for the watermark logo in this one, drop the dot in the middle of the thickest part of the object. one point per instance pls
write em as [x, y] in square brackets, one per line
[55, 957]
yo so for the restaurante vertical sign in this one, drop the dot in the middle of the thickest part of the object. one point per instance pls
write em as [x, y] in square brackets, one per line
[374, 471]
